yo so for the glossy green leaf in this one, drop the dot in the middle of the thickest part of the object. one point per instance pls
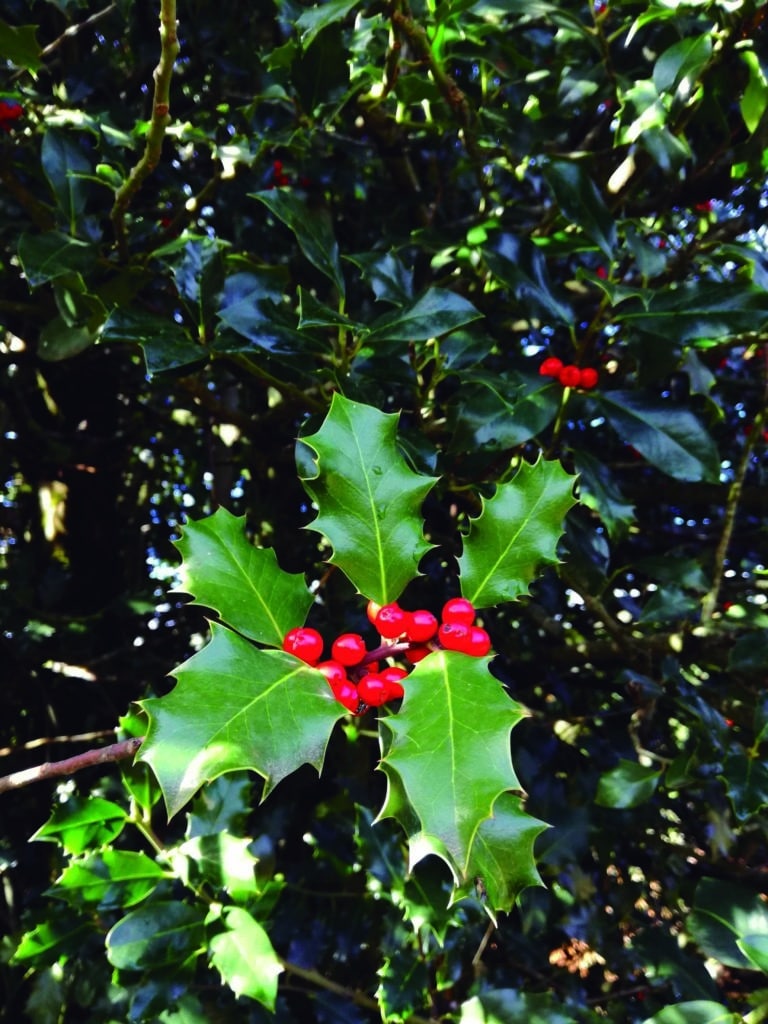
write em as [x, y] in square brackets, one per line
[237, 707]
[387, 275]
[698, 1011]
[580, 201]
[754, 99]
[599, 490]
[199, 278]
[46, 257]
[671, 438]
[157, 935]
[244, 957]
[81, 824]
[515, 534]
[755, 948]
[19, 45]
[111, 878]
[629, 784]
[746, 781]
[501, 863]
[437, 312]
[242, 583]
[521, 265]
[453, 763]
[315, 19]
[312, 229]
[723, 913]
[58, 937]
[482, 416]
[679, 67]
[222, 861]
[60, 340]
[318, 314]
[511, 1006]
[369, 500]
[64, 163]
[166, 345]
[695, 310]
[223, 806]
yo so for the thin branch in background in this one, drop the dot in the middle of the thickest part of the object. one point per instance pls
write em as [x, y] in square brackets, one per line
[73, 30]
[46, 741]
[161, 118]
[709, 602]
[52, 769]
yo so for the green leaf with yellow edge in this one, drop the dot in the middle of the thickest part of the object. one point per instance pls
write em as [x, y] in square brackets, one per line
[237, 707]
[245, 958]
[501, 863]
[242, 583]
[369, 499]
[516, 533]
[449, 748]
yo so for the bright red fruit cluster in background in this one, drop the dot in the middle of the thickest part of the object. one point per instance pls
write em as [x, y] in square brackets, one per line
[568, 375]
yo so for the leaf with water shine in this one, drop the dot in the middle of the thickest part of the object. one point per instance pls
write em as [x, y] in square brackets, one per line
[449, 750]
[369, 499]
[237, 707]
[515, 534]
[244, 584]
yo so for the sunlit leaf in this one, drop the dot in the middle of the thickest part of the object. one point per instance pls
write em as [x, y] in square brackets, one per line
[369, 500]
[435, 313]
[157, 935]
[723, 913]
[80, 824]
[515, 534]
[453, 762]
[111, 878]
[627, 785]
[242, 583]
[236, 707]
[244, 957]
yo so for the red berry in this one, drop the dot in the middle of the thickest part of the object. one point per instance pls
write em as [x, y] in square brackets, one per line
[454, 636]
[459, 609]
[570, 376]
[373, 690]
[602, 273]
[392, 677]
[417, 653]
[551, 367]
[349, 649]
[588, 377]
[333, 672]
[277, 166]
[479, 643]
[304, 643]
[421, 626]
[347, 694]
[391, 621]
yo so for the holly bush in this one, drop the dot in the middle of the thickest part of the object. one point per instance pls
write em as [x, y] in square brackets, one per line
[382, 544]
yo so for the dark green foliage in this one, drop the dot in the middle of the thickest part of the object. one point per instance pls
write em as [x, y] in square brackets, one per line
[401, 210]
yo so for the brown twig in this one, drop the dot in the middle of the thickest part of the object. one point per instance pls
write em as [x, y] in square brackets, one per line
[46, 741]
[161, 117]
[70, 765]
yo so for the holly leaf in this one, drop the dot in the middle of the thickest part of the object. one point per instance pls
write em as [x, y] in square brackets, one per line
[453, 762]
[245, 958]
[243, 584]
[312, 229]
[237, 707]
[436, 312]
[369, 499]
[502, 863]
[516, 532]
[670, 438]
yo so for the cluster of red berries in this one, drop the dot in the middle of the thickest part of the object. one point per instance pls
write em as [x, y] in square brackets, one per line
[355, 674]
[10, 111]
[568, 375]
[282, 180]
